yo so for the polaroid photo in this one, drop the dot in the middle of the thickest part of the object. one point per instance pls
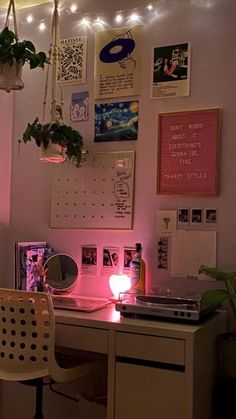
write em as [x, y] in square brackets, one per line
[196, 216]
[128, 256]
[211, 217]
[110, 260]
[183, 217]
[89, 260]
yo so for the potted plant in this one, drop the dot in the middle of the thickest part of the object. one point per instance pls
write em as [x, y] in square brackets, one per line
[13, 55]
[56, 134]
[227, 341]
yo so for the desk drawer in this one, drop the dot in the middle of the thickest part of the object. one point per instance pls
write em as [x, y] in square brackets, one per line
[84, 338]
[152, 348]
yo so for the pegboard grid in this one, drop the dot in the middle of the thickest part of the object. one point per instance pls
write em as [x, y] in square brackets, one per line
[98, 195]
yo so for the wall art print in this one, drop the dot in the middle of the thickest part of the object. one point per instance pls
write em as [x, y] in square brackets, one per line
[79, 106]
[116, 121]
[72, 61]
[188, 152]
[171, 71]
[117, 62]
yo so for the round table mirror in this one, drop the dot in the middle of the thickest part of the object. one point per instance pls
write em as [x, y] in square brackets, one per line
[62, 272]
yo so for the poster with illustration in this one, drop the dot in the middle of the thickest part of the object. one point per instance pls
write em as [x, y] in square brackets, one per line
[166, 222]
[79, 106]
[116, 121]
[72, 60]
[171, 71]
[117, 62]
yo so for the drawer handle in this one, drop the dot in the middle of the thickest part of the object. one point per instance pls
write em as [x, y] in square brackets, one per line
[152, 364]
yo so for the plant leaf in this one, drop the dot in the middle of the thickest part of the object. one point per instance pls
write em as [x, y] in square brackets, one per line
[30, 46]
[216, 273]
[215, 296]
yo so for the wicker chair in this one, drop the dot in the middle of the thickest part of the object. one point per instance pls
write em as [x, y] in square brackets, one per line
[27, 338]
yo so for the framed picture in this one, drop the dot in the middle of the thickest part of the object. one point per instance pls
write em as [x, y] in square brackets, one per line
[188, 152]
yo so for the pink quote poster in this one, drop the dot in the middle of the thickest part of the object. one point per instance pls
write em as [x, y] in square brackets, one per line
[188, 153]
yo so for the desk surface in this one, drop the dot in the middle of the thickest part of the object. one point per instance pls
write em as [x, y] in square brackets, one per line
[110, 319]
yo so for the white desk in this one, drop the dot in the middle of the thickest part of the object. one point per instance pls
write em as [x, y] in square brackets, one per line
[155, 369]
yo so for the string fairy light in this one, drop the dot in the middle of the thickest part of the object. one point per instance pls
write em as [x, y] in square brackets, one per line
[42, 26]
[93, 19]
[29, 19]
[134, 17]
[73, 8]
[119, 18]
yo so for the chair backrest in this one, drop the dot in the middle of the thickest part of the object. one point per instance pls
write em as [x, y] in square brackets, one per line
[27, 334]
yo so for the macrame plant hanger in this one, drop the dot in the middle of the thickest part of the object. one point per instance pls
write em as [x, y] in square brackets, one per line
[54, 153]
[10, 75]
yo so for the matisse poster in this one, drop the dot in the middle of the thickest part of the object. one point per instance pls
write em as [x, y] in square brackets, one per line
[117, 62]
[72, 61]
[116, 121]
[171, 71]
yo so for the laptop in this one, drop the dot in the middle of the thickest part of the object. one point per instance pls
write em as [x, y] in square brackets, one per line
[79, 303]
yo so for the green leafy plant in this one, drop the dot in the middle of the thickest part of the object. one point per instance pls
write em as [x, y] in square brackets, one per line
[221, 295]
[57, 133]
[21, 51]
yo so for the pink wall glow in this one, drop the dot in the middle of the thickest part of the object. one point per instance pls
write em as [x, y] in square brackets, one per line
[212, 75]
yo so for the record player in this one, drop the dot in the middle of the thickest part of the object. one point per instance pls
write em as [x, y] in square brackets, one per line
[189, 309]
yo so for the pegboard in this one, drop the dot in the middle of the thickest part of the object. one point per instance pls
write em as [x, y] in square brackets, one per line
[98, 195]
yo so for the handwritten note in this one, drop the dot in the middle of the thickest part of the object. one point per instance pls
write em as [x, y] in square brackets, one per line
[188, 152]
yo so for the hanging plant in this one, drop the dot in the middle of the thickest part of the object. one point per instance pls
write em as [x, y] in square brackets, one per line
[12, 50]
[14, 54]
[56, 133]
[57, 140]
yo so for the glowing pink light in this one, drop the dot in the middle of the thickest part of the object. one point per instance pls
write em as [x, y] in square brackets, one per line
[119, 283]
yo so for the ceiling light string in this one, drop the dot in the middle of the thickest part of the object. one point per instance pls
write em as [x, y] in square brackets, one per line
[73, 9]
[133, 14]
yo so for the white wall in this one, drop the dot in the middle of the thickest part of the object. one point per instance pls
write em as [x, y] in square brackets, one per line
[6, 120]
[210, 28]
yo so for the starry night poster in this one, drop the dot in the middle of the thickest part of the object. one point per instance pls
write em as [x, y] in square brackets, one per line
[116, 121]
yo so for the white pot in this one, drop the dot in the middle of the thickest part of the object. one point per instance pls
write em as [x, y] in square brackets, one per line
[54, 153]
[10, 76]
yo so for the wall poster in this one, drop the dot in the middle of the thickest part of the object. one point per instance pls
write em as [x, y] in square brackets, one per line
[117, 62]
[72, 61]
[188, 152]
[116, 121]
[171, 71]
[79, 106]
